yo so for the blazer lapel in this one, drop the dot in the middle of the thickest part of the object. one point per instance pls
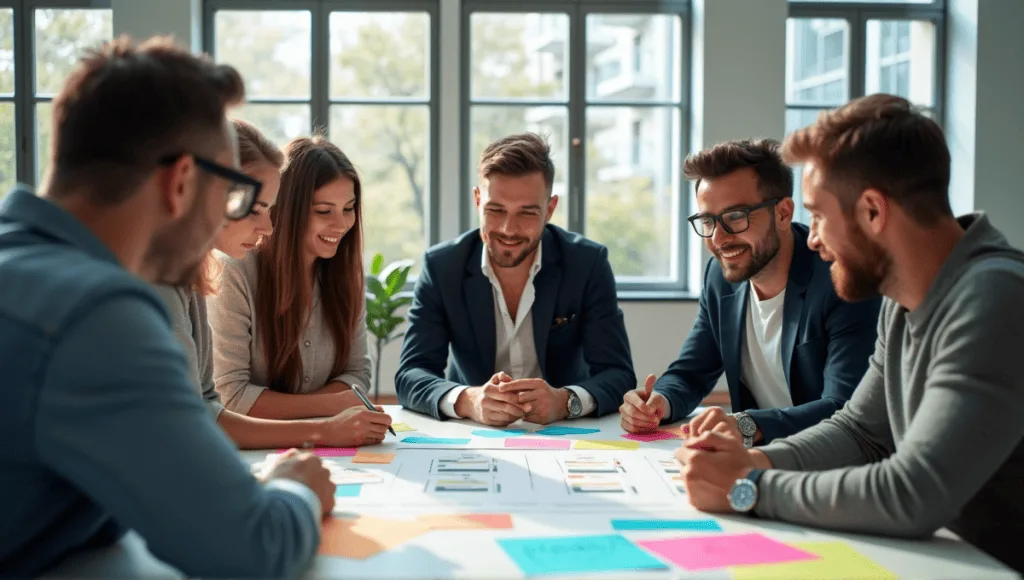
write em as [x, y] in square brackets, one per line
[546, 286]
[480, 307]
[734, 310]
[800, 270]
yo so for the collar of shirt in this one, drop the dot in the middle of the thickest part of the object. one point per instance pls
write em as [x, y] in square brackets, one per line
[45, 217]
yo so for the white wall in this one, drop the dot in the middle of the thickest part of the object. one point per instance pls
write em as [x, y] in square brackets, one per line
[985, 113]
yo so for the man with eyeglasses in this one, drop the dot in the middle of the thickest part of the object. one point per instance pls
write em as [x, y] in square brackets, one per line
[769, 318]
[100, 428]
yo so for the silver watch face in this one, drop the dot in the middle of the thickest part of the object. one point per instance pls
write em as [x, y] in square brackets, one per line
[575, 405]
[746, 424]
[743, 495]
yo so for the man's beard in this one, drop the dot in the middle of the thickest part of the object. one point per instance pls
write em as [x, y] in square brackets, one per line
[760, 255]
[176, 254]
[860, 277]
[504, 258]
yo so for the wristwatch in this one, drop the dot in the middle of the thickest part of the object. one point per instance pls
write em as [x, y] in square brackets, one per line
[575, 405]
[743, 494]
[748, 428]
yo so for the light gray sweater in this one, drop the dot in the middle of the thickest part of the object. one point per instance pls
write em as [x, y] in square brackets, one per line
[192, 329]
[239, 366]
[932, 436]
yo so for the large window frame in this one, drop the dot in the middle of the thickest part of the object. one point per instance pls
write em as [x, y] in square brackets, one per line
[857, 16]
[320, 99]
[577, 103]
[25, 98]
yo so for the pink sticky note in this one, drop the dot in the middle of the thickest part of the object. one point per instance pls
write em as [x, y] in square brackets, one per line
[528, 443]
[709, 552]
[651, 436]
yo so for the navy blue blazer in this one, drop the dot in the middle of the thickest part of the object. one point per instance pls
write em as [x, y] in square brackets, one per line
[825, 346]
[453, 306]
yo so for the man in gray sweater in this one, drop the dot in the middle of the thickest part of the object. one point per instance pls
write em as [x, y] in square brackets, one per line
[932, 436]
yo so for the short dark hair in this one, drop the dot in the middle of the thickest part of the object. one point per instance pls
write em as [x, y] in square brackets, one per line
[518, 155]
[774, 177]
[882, 142]
[125, 107]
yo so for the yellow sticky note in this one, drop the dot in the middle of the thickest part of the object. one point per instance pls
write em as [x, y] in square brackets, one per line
[620, 445]
[366, 457]
[400, 427]
[838, 562]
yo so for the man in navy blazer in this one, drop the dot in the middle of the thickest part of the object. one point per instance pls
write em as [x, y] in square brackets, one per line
[769, 316]
[528, 310]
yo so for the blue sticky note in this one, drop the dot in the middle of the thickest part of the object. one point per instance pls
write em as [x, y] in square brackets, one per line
[435, 441]
[568, 554]
[498, 433]
[706, 525]
[567, 431]
[348, 490]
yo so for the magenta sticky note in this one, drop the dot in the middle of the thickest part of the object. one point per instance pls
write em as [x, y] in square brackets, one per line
[533, 443]
[650, 436]
[710, 552]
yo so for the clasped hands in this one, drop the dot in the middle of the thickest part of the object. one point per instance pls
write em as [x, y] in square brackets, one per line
[504, 400]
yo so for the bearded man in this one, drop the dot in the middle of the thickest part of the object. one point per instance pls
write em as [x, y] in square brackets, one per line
[769, 318]
[527, 310]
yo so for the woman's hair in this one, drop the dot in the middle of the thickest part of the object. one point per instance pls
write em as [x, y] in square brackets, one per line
[254, 149]
[284, 297]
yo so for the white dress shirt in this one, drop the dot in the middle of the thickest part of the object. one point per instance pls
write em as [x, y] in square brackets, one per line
[515, 349]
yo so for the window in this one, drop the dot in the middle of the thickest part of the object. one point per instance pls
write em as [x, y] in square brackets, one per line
[838, 53]
[364, 74]
[612, 108]
[33, 67]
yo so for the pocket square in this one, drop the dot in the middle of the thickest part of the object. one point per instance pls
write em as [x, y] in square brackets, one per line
[561, 321]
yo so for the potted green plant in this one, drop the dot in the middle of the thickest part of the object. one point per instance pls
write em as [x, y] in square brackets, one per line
[382, 302]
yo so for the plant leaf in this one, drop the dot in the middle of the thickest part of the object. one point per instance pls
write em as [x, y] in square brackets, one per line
[395, 337]
[379, 292]
[401, 301]
[376, 264]
[374, 311]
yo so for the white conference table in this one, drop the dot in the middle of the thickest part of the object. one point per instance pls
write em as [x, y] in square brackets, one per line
[476, 554]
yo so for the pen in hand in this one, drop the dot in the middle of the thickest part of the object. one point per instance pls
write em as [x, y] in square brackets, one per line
[369, 405]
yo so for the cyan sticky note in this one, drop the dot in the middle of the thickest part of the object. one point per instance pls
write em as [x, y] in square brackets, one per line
[498, 433]
[705, 525]
[435, 441]
[557, 430]
[573, 554]
[348, 490]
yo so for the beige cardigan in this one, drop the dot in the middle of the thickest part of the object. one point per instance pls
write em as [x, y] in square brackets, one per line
[239, 367]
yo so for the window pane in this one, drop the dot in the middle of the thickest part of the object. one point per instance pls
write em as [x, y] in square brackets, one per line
[389, 145]
[633, 56]
[271, 48]
[490, 123]
[280, 123]
[798, 119]
[633, 187]
[62, 35]
[43, 110]
[8, 151]
[7, 51]
[900, 59]
[519, 55]
[817, 61]
[380, 54]
[873, 1]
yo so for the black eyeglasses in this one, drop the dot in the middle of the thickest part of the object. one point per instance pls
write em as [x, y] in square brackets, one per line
[734, 221]
[244, 190]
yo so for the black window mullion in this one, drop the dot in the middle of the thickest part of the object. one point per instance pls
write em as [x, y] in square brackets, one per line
[319, 77]
[577, 116]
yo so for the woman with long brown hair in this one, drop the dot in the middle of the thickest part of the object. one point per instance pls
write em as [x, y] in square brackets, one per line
[261, 160]
[289, 321]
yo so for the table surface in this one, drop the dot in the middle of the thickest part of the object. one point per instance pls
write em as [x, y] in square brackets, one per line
[476, 554]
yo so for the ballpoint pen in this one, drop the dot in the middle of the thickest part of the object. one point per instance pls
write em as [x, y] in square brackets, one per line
[369, 405]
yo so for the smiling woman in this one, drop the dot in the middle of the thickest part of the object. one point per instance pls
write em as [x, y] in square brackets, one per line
[289, 320]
